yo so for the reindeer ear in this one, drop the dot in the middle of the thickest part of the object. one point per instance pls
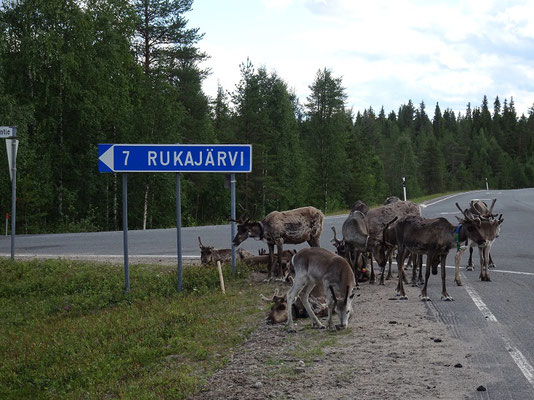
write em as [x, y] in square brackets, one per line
[333, 294]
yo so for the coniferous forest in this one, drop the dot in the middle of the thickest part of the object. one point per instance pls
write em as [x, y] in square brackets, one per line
[77, 73]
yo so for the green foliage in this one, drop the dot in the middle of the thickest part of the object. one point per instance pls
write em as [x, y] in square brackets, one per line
[75, 74]
[69, 331]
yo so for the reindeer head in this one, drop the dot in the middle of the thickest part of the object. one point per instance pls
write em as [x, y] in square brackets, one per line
[479, 230]
[278, 312]
[341, 247]
[343, 308]
[206, 253]
[246, 229]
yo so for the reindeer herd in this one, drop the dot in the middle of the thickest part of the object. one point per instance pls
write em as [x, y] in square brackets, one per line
[329, 281]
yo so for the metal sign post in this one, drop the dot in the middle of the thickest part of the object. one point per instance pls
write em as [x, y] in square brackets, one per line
[10, 133]
[179, 231]
[232, 217]
[125, 231]
[225, 158]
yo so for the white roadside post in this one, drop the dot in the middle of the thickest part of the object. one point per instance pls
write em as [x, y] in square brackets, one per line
[404, 186]
[10, 134]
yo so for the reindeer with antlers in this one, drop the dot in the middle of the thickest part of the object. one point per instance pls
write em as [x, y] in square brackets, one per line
[296, 226]
[490, 227]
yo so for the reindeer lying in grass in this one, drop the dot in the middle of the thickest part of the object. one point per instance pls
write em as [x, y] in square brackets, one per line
[278, 311]
[317, 265]
[210, 255]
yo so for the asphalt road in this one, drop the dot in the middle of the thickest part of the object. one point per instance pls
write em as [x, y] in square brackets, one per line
[494, 318]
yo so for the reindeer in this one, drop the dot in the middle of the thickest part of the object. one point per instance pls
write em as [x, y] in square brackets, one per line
[480, 209]
[278, 311]
[343, 250]
[364, 232]
[303, 224]
[317, 265]
[210, 255]
[490, 228]
[433, 237]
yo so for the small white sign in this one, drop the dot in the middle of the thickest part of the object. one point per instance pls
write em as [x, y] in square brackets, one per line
[9, 147]
[6, 131]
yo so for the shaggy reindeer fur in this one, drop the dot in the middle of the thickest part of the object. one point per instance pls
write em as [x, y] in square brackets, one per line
[303, 224]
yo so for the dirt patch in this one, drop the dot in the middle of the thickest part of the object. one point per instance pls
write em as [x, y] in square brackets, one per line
[393, 350]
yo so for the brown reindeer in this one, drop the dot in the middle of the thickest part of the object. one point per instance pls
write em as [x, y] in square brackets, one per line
[365, 232]
[296, 226]
[490, 228]
[479, 208]
[433, 237]
[210, 255]
[278, 311]
[316, 265]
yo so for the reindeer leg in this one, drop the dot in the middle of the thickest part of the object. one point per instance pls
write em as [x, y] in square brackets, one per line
[298, 284]
[270, 264]
[419, 262]
[483, 251]
[457, 260]
[483, 274]
[424, 296]
[444, 295]
[400, 287]
[304, 297]
[470, 266]
[372, 278]
[491, 263]
[414, 273]
[278, 269]
[390, 259]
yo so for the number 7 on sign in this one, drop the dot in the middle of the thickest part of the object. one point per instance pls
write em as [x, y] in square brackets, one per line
[127, 153]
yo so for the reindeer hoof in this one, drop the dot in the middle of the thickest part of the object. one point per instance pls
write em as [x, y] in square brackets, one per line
[447, 298]
[291, 329]
[492, 266]
[403, 297]
[425, 298]
[318, 326]
[458, 282]
[469, 268]
[414, 284]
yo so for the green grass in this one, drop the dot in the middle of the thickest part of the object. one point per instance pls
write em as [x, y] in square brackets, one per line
[69, 331]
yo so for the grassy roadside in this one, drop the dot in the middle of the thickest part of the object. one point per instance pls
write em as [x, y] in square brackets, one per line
[69, 331]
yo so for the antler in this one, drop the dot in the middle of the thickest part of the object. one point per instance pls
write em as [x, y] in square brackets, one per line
[492, 204]
[335, 236]
[200, 243]
[462, 211]
[347, 295]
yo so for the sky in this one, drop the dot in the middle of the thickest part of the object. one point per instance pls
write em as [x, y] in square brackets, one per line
[387, 52]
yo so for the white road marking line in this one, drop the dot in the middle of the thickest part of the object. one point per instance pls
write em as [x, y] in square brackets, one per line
[480, 304]
[445, 198]
[518, 357]
[493, 270]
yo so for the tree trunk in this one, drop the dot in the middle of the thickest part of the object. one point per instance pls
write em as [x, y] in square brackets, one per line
[145, 206]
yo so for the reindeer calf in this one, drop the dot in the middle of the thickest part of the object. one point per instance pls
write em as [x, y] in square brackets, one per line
[317, 265]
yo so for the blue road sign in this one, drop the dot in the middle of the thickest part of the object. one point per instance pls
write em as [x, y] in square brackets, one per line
[225, 158]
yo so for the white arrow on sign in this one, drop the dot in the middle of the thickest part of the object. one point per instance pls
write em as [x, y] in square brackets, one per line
[107, 157]
[9, 147]
[6, 131]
